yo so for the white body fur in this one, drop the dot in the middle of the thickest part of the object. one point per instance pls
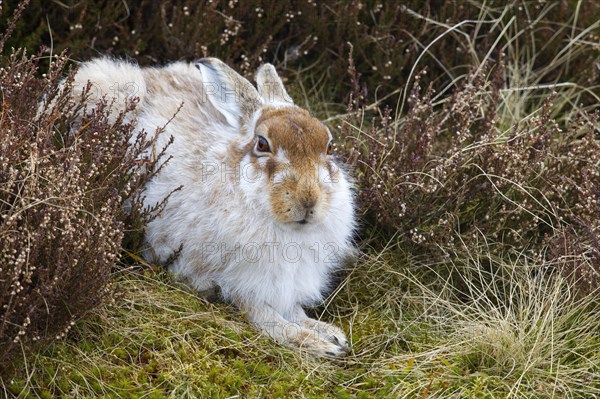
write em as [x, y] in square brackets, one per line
[222, 218]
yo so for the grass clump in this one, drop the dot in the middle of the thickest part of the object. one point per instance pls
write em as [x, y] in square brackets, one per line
[515, 329]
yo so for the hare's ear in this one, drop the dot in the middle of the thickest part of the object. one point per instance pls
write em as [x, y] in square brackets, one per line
[229, 93]
[270, 87]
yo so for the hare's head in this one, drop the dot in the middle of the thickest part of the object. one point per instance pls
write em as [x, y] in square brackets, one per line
[284, 154]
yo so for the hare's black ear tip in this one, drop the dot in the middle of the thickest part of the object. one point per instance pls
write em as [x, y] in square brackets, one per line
[211, 65]
[209, 61]
[205, 62]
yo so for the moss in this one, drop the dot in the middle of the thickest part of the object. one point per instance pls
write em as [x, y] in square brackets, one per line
[16, 387]
[45, 394]
[122, 354]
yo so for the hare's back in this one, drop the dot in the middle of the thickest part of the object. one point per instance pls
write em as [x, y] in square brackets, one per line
[179, 90]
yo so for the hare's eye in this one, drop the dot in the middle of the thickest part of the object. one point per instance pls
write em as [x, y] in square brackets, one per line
[263, 145]
[329, 148]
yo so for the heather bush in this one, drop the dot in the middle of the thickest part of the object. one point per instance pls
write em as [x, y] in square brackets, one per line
[63, 187]
[446, 175]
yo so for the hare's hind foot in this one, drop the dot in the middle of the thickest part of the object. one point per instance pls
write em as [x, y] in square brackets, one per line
[323, 330]
[327, 332]
[313, 336]
[318, 343]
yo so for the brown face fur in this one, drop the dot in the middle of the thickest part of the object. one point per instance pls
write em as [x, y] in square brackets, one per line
[297, 167]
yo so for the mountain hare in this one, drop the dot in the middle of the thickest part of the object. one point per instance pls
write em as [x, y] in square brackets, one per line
[265, 212]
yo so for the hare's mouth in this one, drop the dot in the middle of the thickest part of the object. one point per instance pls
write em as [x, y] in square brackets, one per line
[303, 221]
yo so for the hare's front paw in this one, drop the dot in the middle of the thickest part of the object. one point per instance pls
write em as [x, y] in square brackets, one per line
[328, 333]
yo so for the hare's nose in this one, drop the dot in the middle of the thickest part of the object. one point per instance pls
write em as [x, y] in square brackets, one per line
[309, 203]
[309, 194]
